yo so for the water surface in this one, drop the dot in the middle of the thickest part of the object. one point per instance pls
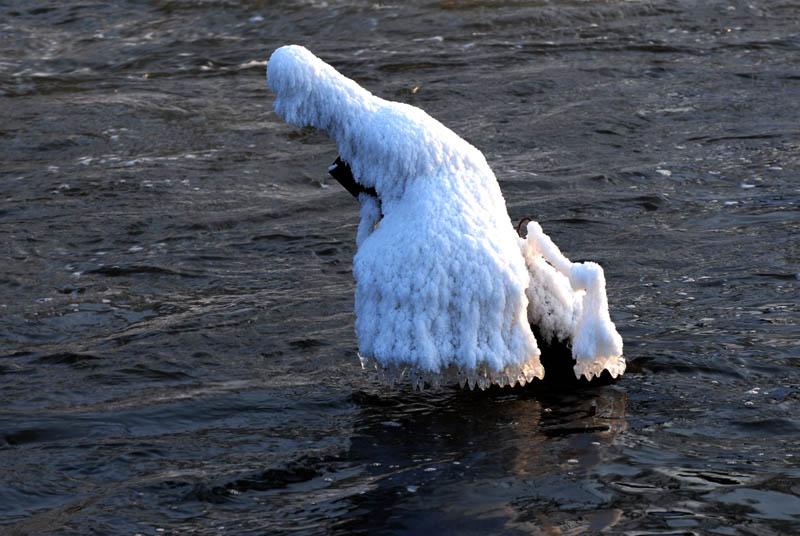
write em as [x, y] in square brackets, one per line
[176, 330]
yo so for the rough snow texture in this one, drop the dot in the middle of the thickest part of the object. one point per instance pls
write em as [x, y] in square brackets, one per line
[568, 301]
[443, 281]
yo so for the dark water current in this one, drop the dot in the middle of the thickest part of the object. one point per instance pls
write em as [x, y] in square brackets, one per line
[176, 329]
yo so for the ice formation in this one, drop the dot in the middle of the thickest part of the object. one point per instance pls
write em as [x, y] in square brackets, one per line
[444, 286]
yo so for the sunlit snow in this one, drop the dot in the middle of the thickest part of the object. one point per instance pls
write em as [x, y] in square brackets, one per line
[444, 284]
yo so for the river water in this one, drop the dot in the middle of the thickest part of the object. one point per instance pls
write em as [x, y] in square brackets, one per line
[176, 300]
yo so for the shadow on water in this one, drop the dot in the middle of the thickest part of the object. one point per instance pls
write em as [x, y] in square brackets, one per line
[479, 460]
[468, 462]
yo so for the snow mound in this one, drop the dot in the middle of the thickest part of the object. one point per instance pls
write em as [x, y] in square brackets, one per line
[443, 281]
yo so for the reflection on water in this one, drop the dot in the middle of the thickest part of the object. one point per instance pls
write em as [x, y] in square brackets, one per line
[497, 457]
[176, 319]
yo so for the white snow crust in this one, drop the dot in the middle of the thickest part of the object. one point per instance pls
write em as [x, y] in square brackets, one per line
[443, 281]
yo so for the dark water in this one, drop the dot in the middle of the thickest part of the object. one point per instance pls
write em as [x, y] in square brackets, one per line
[176, 330]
